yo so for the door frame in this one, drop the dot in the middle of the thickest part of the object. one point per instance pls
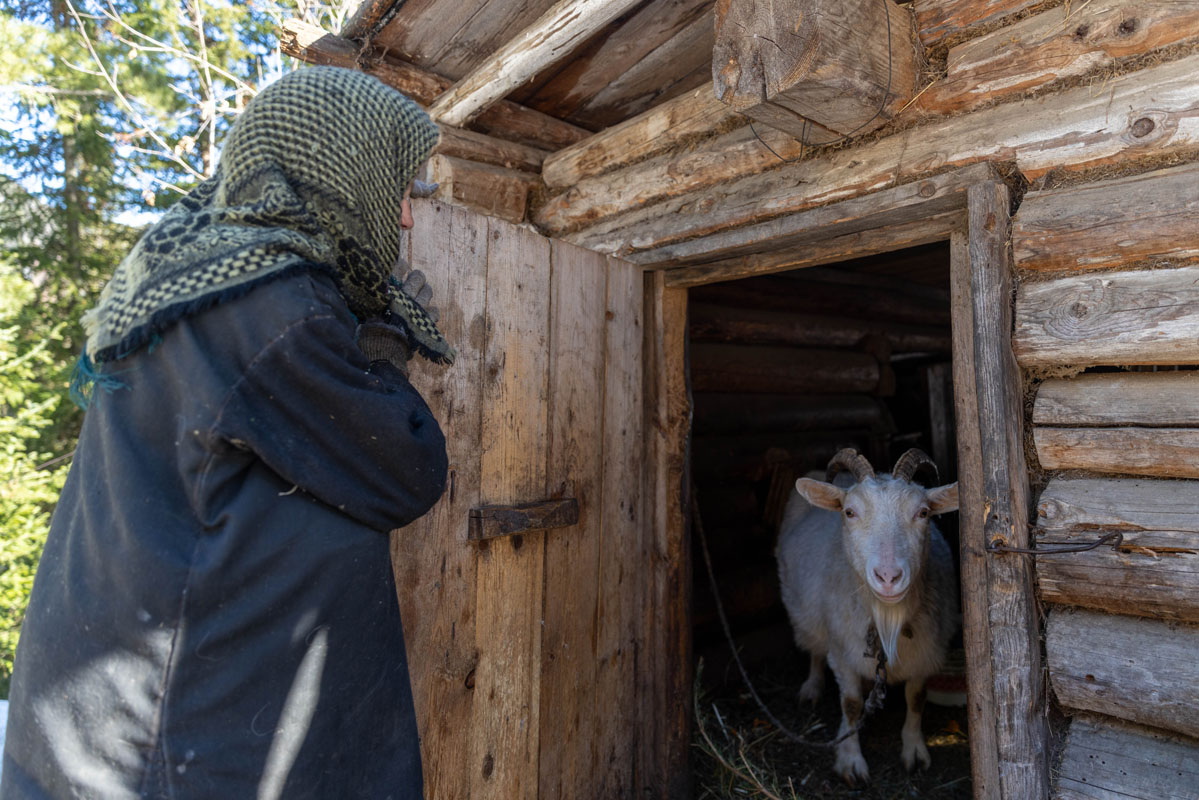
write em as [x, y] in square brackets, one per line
[971, 209]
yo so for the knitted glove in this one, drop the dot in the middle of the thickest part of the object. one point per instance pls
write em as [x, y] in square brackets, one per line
[379, 341]
[414, 286]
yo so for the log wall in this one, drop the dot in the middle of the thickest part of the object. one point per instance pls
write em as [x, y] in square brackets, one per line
[1108, 290]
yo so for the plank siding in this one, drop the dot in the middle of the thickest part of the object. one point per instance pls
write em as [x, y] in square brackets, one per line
[1105, 759]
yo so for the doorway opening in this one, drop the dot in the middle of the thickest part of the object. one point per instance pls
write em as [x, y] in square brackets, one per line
[785, 370]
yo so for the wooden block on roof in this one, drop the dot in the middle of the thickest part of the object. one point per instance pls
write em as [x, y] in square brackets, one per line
[848, 65]
[490, 190]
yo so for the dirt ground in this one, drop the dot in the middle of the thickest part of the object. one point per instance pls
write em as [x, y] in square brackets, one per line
[786, 770]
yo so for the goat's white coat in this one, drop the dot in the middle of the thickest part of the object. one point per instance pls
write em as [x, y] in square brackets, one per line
[823, 573]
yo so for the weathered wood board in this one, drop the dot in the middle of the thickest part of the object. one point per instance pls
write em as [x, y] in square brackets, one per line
[1161, 452]
[1107, 224]
[672, 198]
[1064, 42]
[742, 368]
[1105, 759]
[1116, 318]
[1155, 573]
[1150, 399]
[936, 19]
[711, 322]
[489, 190]
[1132, 668]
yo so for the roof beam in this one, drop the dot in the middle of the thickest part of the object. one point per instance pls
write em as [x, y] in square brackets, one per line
[553, 37]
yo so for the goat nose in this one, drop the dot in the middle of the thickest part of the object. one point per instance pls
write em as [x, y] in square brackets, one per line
[888, 577]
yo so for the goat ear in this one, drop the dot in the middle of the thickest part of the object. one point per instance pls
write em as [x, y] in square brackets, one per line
[821, 494]
[943, 499]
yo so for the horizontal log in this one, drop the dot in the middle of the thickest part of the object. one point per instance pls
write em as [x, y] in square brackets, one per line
[623, 211]
[490, 522]
[1097, 226]
[937, 19]
[1117, 318]
[840, 248]
[461, 143]
[785, 370]
[723, 412]
[848, 66]
[1134, 669]
[1064, 42]
[897, 206]
[799, 296]
[494, 191]
[1156, 571]
[1150, 399]
[661, 128]
[1161, 452]
[504, 120]
[715, 323]
[1104, 759]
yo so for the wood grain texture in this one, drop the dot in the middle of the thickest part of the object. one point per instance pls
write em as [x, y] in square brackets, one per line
[433, 559]
[976, 635]
[619, 733]
[729, 412]
[662, 127]
[1061, 43]
[1152, 111]
[514, 443]
[600, 64]
[492, 191]
[1135, 669]
[552, 37]
[576, 447]
[492, 522]
[839, 248]
[461, 143]
[1150, 399]
[847, 65]
[504, 120]
[936, 19]
[1161, 452]
[664, 669]
[1105, 759]
[1110, 223]
[1117, 318]
[901, 205]
[1156, 573]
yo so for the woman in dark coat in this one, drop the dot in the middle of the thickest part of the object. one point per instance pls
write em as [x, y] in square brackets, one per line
[215, 614]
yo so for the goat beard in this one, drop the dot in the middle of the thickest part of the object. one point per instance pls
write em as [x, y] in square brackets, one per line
[889, 621]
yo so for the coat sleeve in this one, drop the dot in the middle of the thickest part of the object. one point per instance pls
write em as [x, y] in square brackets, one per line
[355, 435]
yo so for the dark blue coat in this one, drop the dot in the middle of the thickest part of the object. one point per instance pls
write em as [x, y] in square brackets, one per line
[215, 614]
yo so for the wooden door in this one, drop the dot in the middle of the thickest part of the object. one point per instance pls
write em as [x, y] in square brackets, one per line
[522, 648]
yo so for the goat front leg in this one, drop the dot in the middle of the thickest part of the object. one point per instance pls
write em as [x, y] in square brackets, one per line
[812, 688]
[850, 764]
[914, 748]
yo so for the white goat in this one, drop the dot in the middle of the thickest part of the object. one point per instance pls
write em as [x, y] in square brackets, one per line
[858, 554]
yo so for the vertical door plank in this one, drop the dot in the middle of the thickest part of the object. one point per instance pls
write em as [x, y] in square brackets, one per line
[510, 570]
[621, 570]
[434, 563]
[576, 405]
[664, 671]
[984, 749]
[1021, 727]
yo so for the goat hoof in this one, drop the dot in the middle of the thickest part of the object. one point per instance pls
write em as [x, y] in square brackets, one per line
[916, 757]
[810, 692]
[853, 770]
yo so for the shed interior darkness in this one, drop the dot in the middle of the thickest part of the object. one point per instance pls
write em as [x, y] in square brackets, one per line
[786, 369]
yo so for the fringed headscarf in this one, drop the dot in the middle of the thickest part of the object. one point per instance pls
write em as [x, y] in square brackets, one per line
[312, 173]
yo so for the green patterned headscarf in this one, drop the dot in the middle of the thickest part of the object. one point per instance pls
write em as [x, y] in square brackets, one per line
[311, 175]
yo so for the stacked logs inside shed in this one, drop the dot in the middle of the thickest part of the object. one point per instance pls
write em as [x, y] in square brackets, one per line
[785, 370]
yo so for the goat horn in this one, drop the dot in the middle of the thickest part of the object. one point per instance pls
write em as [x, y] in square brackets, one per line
[852, 460]
[912, 462]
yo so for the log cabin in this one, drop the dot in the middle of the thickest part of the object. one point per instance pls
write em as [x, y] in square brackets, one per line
[676, 255]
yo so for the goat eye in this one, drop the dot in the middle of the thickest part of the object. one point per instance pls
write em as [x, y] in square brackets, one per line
[849, 513]
[924, 513]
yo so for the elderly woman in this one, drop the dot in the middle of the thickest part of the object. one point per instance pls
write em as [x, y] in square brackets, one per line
[215, 614]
